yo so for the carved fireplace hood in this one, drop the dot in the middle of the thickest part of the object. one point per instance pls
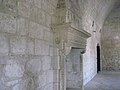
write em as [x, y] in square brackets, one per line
[67, 26]
[70, 36]
[67, 37]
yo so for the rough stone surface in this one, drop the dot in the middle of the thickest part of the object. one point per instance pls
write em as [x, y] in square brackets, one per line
[94, 14]
[4, 47]
[26, 41]
[73, 69]
[29, 57]
[110, 41]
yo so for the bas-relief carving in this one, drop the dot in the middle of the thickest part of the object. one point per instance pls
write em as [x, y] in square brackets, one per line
[68, 11]
[69, 35]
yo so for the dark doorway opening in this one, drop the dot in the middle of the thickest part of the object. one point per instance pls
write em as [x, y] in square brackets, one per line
[98, 58]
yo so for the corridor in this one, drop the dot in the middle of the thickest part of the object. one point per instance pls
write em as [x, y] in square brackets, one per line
[59, 44]
[104, 81]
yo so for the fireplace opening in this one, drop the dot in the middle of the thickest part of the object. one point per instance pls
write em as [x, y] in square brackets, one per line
[73, 70]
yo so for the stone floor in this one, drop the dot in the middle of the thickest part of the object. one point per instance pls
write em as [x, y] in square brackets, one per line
[104, 81]
[73, 89]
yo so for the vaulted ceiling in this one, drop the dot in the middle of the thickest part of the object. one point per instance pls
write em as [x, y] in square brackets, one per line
[97, 10]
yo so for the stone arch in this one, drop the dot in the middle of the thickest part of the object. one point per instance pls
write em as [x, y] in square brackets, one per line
[110, 42]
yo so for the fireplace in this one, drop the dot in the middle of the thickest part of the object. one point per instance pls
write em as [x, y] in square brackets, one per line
[70, 39]
[73, 72]
[71, 43]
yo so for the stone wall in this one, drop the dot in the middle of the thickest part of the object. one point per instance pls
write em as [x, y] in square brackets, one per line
[28, 57]
[94, 13]
[26, 45]
[110, 41]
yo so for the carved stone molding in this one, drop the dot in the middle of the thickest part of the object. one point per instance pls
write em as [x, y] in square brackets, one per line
[72, 37]
[68, 34]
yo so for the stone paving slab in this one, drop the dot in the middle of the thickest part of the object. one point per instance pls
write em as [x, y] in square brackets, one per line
[104, 81]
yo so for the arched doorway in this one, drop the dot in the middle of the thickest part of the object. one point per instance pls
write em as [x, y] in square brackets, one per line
[98, 58]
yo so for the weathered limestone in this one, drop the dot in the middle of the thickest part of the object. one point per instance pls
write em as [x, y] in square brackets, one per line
[94, 13]
[4, 47]
[110, 42]
[37, 35]
[68, 36]
[26, 45]
[73, 70]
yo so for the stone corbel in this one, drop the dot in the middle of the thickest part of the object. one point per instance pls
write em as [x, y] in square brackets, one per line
[83, 51]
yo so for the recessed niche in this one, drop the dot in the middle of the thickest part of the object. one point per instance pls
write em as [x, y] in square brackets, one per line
[74, 80]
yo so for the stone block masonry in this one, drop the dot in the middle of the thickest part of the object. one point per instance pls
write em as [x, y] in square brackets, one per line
[26, 45]
[110, 51]
[29, 59]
